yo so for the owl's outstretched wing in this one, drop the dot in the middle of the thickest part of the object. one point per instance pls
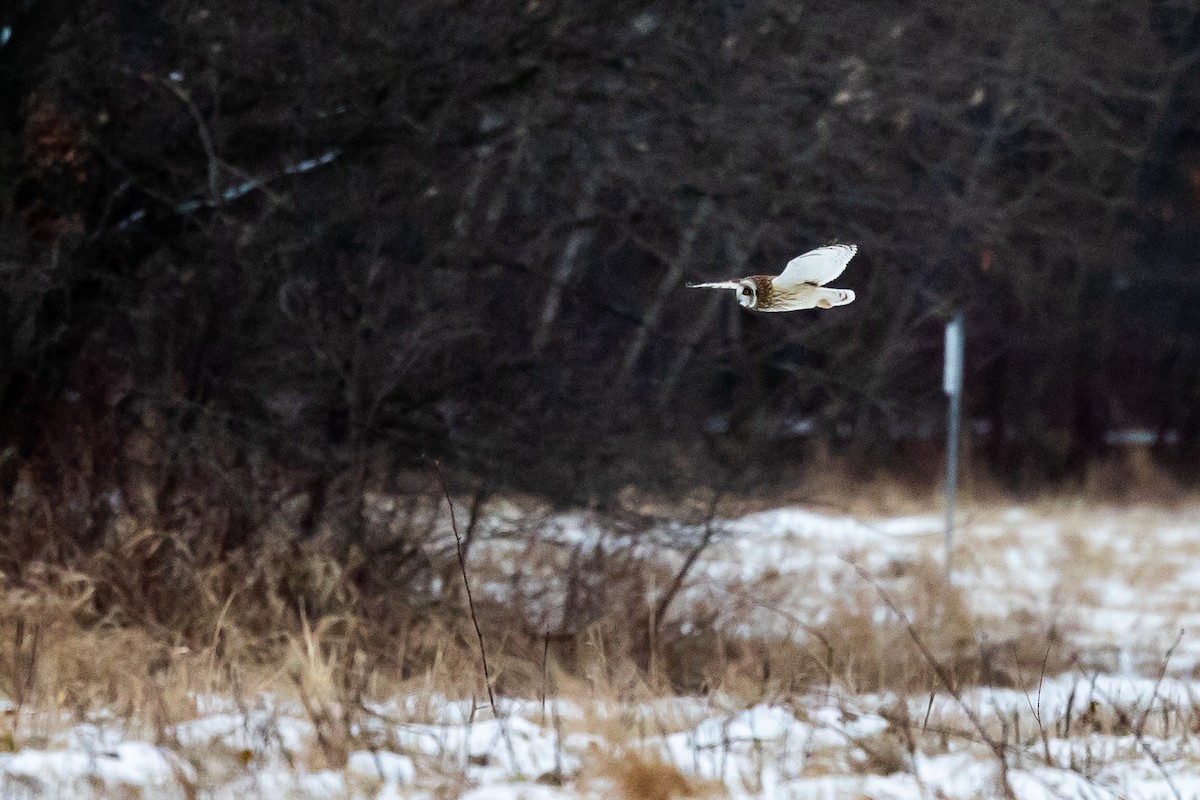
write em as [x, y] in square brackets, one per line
[717, 285]
[818, 266]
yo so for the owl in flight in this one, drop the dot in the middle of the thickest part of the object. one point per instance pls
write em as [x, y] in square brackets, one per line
[800, 285]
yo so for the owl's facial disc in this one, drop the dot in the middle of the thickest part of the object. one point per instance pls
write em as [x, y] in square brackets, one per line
[747, 294]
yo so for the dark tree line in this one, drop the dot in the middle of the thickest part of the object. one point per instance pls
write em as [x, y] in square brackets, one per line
[315, 242]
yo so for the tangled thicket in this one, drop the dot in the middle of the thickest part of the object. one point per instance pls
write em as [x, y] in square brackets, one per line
[308, 243]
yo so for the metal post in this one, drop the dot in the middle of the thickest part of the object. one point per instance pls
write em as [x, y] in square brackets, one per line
[951, 475]
[952, 385]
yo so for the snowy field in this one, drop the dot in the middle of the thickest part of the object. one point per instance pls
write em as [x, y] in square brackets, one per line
[1120, 719]
[1119, 584]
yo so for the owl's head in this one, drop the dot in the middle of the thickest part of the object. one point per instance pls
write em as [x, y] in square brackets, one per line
[747, 293]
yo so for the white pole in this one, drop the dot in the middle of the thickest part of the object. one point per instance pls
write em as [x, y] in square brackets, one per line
[952, 386]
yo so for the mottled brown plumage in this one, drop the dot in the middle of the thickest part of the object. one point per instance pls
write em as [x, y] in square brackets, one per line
[763, 290]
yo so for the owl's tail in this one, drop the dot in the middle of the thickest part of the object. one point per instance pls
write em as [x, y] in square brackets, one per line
[828, 298]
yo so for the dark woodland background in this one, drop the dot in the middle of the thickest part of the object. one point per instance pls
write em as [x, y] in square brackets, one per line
[255, 247]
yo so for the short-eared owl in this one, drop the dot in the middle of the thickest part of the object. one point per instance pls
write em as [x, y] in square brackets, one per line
[798, 286]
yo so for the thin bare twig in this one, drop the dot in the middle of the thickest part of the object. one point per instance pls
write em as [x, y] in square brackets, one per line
[1140, 728]
[462, 565]
[206, 140]
[1037, 711]
[999, 748]
[710, 531]
[1138, 734]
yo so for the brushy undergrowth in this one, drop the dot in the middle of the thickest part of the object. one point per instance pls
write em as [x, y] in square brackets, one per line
[140, 581]
[146, 614]
[150, 617]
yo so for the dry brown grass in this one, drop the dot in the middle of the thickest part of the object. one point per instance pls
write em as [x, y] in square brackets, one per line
[1130, 475]
[167, 603]
[634, 775]
[200, 591]
[79, 641]
[301, 622]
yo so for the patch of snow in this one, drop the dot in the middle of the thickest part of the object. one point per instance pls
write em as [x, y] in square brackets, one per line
[388, 767]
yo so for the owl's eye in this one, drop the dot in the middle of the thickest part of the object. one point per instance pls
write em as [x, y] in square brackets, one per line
[746, 291]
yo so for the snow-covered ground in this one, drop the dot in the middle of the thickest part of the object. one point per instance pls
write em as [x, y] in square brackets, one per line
[1121, 721]
[1135, 738]
[1119, 584]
